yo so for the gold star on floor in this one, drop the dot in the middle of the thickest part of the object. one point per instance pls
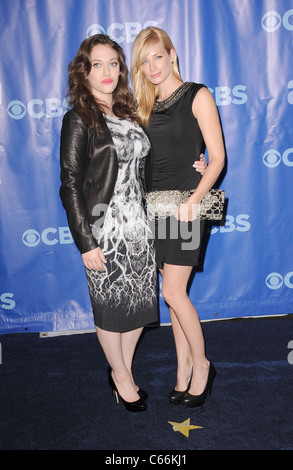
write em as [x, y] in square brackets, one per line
[184, 427]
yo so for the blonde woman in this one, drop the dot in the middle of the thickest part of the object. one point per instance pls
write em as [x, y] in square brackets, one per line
[181, 119]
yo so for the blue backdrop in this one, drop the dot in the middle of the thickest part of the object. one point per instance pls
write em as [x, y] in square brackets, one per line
[243, 51]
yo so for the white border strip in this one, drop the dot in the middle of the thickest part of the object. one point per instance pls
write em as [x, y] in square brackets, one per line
[50, 334]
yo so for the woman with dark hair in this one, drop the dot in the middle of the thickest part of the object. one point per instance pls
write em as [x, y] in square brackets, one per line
[103, 148]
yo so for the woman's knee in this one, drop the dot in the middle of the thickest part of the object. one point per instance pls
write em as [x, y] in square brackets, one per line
[171, 295]
[174, 284]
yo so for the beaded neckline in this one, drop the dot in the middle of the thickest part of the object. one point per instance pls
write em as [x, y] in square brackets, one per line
[176, 95]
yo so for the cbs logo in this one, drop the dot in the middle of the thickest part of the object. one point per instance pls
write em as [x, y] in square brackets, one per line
[224, 95]
[273, 158]
[6, 301]
[129, 30]
[240, 223]
[272, 21]
[276, 280]
[49, 236]
[37, 108]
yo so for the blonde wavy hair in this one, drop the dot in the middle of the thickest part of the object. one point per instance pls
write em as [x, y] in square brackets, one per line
[145, 93]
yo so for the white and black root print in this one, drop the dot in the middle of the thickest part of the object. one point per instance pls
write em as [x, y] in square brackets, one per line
[124, 295]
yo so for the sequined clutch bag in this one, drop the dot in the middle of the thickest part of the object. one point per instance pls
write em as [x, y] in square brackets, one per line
[162, 204]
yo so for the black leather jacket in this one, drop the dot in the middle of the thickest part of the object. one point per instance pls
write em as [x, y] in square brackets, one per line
[89, 169]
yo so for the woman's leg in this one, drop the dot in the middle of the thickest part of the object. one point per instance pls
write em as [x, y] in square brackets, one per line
[186, 327]
[111, 343]
[183, 352]
[129, 340]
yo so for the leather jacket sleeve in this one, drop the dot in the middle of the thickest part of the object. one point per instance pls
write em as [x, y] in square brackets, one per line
[73, 155]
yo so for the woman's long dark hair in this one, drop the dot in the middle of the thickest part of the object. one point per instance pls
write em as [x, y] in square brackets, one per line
[80, 95]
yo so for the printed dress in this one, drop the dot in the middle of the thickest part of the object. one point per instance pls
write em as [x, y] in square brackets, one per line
[124, 296]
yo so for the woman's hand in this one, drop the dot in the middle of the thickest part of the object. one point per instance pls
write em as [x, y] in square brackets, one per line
[201, 165]
[94, 259]
[187, 211]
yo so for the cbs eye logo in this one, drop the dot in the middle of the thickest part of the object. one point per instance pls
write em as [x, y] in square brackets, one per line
[273, 158]
[31, 238]
[276, 280]
[272, 21]
[16, 109]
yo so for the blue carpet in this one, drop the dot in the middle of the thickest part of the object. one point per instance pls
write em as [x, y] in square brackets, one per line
[54, 392]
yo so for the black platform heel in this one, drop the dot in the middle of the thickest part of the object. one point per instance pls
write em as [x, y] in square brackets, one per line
[198, 400]
[138, 405]
[175, 396]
